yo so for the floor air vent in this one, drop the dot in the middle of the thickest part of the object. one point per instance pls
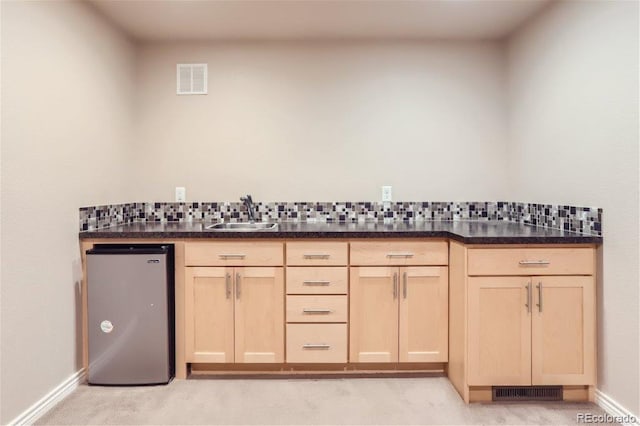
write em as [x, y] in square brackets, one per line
[527, 393]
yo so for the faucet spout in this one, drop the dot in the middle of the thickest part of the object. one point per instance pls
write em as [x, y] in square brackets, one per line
[251, 211]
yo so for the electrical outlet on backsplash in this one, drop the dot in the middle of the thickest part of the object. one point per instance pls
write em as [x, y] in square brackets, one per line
[585, 220]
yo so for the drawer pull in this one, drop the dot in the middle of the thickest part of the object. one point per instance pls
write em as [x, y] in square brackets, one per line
[316, 256]
[316, 311]
[228, 285]
[404, 285]
[534, 262]
[238, 290]
[395, 285]
[232, 256]
[539, 296]
[316, 282]
[391, 255]
[316, 346]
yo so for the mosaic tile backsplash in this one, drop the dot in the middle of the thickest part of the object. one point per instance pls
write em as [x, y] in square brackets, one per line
[585, 220]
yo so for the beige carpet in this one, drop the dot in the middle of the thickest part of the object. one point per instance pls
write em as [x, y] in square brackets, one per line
[418, 401]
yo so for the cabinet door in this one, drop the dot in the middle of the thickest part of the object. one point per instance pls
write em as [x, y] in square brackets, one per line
[499, 328]
[563, 331]
[259, 314]
[424, 299]
[374, 314]
[209, 315]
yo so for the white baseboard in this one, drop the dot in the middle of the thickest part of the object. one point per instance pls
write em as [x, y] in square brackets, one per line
[37, 410]
[613, 408]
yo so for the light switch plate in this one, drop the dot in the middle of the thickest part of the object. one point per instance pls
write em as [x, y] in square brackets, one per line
[386, 194]
[181, 194]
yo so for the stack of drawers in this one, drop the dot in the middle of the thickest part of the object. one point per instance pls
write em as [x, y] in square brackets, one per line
[317, 303]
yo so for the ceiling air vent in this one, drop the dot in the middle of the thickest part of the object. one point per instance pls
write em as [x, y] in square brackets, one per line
[192, 79]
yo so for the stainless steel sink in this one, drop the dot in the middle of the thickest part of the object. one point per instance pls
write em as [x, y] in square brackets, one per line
[239, 227]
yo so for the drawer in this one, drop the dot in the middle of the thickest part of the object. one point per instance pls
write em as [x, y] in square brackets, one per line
[319, 343]
[399, 253]
[317, 309]
[317, 253]
[317, 280]
[531, 261]
[234, 253]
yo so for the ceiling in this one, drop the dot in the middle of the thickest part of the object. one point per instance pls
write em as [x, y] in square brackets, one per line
[179, 20]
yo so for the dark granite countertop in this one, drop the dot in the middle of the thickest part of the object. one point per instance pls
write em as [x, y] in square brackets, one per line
[468, 232]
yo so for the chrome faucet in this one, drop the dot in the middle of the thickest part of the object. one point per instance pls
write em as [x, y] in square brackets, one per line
[251, 210]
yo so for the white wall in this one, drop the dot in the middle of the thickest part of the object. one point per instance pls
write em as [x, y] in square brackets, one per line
[324, 121]
[67, 109]
[305, 121]
[573, 76]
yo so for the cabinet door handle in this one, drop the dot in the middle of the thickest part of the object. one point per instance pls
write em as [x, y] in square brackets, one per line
[316, 256]
[228, 285]
[316, 311]
[528, 304]
[238, 290]
[225, 256]
[395, 285]
[534, 262]
[400, 254]
[316, 282]
[539, 287]
[404, 285]
[316, 346]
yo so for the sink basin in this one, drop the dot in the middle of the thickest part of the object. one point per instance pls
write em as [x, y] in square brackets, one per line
[256, 226]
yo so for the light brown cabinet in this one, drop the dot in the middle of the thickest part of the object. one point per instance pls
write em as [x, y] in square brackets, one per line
[209, 309]
[563, 331]
[522, 316]
[317, 253]
[424, 301]
[320, 308]
[399, 253]
[398, 313]
[234, 313]
[499, 331]
[497, 315]
[317, 280]
[317, 343]
[317, 302]
[531, 330]
[236, 253]
[374, 316]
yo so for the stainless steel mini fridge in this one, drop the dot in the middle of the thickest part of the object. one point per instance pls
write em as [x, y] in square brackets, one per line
[130, 291]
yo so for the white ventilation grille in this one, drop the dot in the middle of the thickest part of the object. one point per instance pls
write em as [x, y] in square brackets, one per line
[192, 79]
